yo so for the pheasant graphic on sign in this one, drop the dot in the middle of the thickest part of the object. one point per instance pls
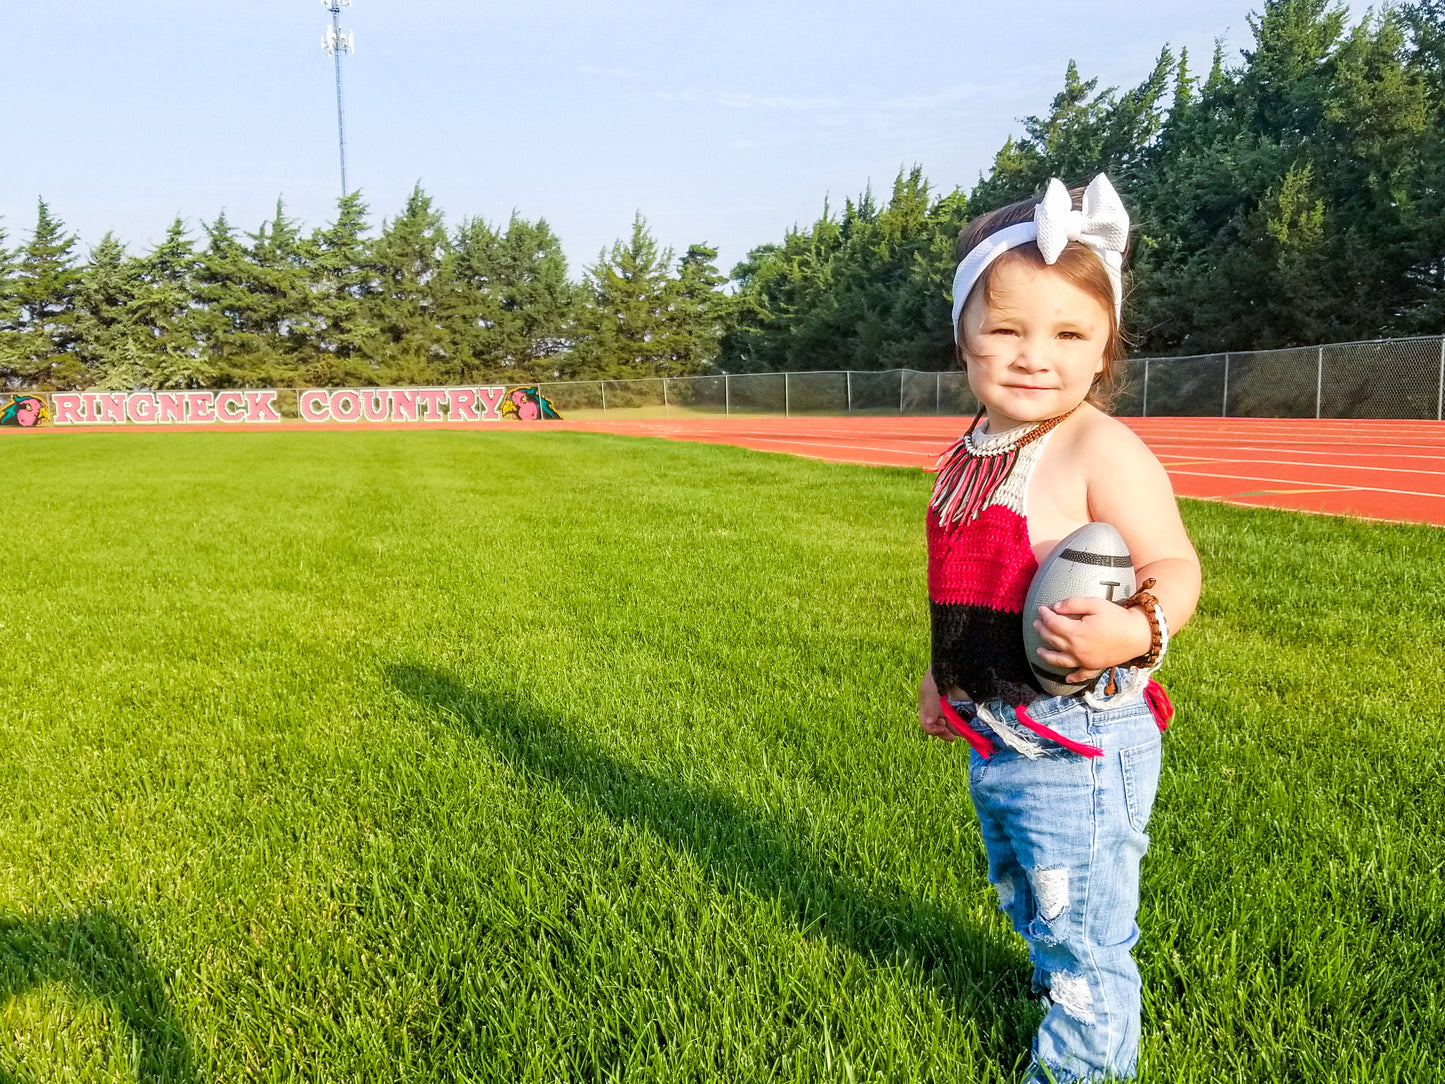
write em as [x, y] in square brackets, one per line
[26, 411]
[528, 405]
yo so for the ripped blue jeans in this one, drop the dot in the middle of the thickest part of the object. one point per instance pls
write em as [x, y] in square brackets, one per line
[1065, 832]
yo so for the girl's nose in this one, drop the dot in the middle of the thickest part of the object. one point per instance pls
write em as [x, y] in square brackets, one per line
[1031, 356]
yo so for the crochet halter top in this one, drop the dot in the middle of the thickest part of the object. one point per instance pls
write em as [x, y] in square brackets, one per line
[980, 564]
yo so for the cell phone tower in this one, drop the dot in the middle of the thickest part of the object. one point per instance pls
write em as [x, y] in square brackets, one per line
[337, 42]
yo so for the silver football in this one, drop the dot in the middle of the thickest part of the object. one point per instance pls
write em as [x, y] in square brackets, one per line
[1094, 562]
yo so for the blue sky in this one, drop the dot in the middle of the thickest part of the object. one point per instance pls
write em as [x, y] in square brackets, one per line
[723, 123]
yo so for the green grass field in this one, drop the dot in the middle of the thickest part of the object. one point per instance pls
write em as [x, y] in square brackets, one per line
[550, 757]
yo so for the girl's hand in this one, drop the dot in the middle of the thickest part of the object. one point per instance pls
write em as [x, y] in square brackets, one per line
[930, 710]
[1088, 635]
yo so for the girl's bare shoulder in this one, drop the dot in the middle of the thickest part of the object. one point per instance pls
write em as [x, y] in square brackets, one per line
[1105, 445]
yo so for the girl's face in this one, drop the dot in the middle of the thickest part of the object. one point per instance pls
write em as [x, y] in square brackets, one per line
[1034, 350]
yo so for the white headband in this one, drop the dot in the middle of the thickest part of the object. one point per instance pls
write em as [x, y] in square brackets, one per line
[1103, 225]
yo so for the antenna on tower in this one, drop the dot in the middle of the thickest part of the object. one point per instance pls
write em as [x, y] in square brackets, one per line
[336, 41]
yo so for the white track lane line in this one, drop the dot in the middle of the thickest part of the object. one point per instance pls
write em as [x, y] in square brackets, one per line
[1325, 487]
[1334, 466]
[1254, 442]
[1282, 425]
[1325, 457]
[1249, 502]
[1431, 435]
[1313, 438]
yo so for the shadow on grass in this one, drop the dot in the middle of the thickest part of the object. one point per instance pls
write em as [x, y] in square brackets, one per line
[96, 956]
[975, 970]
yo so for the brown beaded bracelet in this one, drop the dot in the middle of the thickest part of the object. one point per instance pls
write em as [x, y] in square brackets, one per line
[1143, 598]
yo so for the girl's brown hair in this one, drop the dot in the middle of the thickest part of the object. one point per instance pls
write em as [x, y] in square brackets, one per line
[1077, 265]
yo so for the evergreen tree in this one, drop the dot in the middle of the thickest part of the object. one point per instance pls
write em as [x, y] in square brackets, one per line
[625, 331]
[1368, 162]
[510, 307]
[1285, 79]
[1278, 207]
[343, 283]
[165, 313]
[106, 332]
[44, 287]
[9, 306]
[699, 310]
[1085, 132]
[1424, 25]
[10, 346]
[225, 320]
[777, 284]
[278, 315]
[868, 290]
[413, 262]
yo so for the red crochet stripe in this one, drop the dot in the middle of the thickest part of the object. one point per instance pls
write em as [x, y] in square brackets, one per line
[982, 562]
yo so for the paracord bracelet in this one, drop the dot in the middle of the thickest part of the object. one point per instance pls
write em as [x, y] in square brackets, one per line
[1154, 613]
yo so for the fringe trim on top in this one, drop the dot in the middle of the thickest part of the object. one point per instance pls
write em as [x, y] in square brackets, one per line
[1019, 744]
[969, 476]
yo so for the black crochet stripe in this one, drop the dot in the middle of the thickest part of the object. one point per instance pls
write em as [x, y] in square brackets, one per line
[981, 651]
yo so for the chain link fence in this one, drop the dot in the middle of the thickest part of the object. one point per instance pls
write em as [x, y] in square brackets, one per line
[890, 391]
[1384, 378]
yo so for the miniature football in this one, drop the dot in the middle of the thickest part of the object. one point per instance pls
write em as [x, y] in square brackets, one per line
[1093, 561]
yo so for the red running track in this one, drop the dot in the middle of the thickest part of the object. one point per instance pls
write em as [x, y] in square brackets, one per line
[1388, 470]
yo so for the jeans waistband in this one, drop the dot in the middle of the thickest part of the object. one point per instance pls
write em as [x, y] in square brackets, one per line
[984, 726]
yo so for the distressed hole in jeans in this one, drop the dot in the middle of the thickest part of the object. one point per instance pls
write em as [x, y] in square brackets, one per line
[1071, 993]
[1004, 886]
[1051, 889]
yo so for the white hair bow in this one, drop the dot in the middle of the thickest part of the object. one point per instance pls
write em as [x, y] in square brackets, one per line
[1102, 225]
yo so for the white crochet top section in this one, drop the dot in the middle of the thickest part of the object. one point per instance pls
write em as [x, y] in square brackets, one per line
[1014, 491]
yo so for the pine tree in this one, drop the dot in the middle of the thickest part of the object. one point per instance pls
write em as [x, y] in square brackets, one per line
[279, 312]
[1283, 85]
[866, 291]
[698, 309]
[624, 326]
[1086, 132]
[165, 313]
[224, 320]
[471, 308]
[343, 278]
[10, 339]
[9, 302]
[1424, 24]
[1368, 161]
[413, 262]
[510, 307]
[44, 288]
[105, 324]
[779, 285]
[1282, 205]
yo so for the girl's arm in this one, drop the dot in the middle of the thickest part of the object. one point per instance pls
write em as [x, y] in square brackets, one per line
[1127, 488]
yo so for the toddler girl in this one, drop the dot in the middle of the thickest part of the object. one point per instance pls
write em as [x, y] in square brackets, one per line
[1062, 785]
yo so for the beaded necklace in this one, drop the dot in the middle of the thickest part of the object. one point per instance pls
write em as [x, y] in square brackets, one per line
[970, 474]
